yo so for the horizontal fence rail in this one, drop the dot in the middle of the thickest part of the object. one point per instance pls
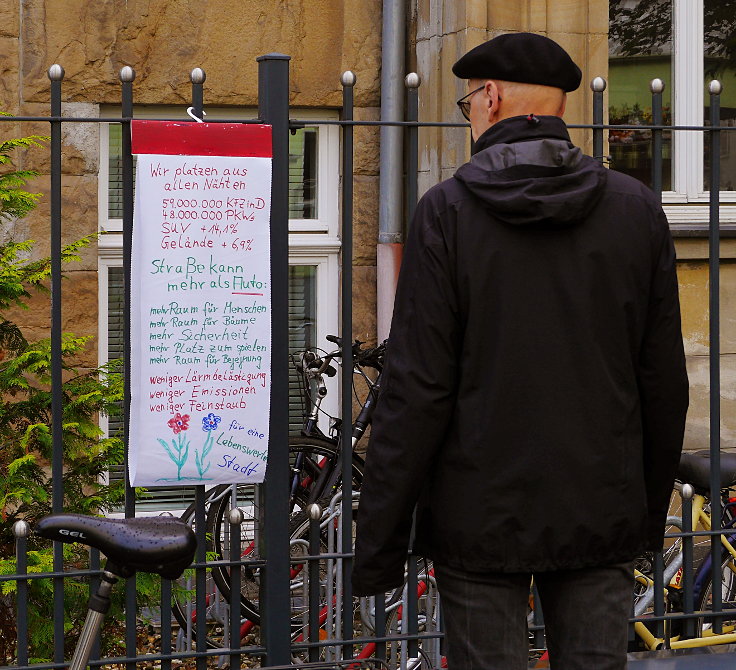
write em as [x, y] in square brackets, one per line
[300, 579]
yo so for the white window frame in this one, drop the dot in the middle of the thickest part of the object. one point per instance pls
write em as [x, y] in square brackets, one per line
[328, 163]
[688, 73]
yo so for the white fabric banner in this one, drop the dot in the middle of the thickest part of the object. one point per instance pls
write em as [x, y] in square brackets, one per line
[200, 320]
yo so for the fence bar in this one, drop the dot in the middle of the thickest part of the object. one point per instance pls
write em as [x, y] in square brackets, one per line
[127, 76]
[315, 514]
[236, 517]
[21, 529]
[94, 583]
[687, 556]
[200, 512]
[273, 109]
[412, 82]
[56, 75]
[714, 321]
[166, 588]
[346, 333]
[657, 86]
[598, 85]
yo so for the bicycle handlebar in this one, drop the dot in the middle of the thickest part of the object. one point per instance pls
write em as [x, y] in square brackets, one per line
[371, 357]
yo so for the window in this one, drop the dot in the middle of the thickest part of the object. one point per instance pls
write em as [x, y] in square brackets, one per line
[313, 272]
[686, 43]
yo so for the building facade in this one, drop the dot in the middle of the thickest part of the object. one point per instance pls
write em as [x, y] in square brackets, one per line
[629, 42]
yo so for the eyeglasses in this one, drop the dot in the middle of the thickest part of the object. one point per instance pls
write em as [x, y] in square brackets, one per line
[464, 102]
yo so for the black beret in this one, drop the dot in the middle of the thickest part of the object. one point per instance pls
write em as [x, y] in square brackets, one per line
[527, 58]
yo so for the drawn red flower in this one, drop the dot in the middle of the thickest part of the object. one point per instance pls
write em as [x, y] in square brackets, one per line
[179, 422]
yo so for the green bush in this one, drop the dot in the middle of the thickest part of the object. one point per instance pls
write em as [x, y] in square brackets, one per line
[25, 433]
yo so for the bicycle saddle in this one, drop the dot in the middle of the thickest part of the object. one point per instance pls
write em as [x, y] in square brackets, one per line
[695, 469]
[162, 545]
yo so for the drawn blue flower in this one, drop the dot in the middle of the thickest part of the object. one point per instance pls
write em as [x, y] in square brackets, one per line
[210, 422]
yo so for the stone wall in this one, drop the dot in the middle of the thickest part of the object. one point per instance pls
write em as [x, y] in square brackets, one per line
[163, 40]
[445, 30]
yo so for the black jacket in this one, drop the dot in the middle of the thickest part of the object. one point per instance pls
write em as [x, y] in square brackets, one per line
[534, 397]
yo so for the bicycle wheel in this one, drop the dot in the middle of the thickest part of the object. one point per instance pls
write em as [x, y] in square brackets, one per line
[332, 609]
[704, 582]
[313, 456]
[184, 601]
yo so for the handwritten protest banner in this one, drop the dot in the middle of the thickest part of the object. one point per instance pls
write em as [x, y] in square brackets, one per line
[200, 304]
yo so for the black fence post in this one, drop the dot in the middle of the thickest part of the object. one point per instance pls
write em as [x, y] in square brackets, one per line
[412, 82]
[598, 85]
[197, 78]
[21, 529]
[127, 76]
[273, 109]
[656, 86]
[714, 313]
[687, 558]
[56, 75]
[346, 333]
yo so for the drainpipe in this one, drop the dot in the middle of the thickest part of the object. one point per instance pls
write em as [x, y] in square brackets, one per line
[391, 205]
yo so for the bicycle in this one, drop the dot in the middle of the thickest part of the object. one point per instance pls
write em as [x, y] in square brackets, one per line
[693, 485]
[159, 545]
[315, 477]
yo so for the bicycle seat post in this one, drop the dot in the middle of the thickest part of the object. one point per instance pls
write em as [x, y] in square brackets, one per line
[99, 604]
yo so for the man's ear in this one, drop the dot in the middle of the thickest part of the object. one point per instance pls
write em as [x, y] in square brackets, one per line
[563, 106]
[491, 100]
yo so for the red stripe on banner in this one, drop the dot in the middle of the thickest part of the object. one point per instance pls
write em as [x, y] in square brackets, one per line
[201, 139]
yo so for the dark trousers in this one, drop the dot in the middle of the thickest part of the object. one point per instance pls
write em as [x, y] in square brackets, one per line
[585, 614]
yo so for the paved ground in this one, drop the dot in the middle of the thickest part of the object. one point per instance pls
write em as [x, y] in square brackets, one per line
[707, 658]
[689, 662]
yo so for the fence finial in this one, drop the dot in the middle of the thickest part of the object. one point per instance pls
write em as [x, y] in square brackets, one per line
[198, 75]
[21, 528]
[236, 516]
[127, 74]
[412, 80]
[348, 78]
[656, 85]
[715, 87]
[314, 511]
[56, 72]
[687, 491]
[598, 84]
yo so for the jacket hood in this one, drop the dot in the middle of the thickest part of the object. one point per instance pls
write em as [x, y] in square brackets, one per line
[528, 171]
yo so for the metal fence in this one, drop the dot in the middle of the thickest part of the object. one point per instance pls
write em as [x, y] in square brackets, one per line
[330, 628]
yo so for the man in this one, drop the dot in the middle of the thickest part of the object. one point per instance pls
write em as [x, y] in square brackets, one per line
[534, 397]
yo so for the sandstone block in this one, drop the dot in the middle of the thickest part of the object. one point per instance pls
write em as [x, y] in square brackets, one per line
[509, 16]
[728, 307]
[9, 20]
[79, 218]
[697, 430]
[598, 16]
[79, 314]
[164, 39]
[578, 102]
[80, 141]
[365, 219]
[9, 73]
[692, 279]
[364, 303]
[367, 156]
[567, 16]
[537, 16]
[458, 16]
[429, 18]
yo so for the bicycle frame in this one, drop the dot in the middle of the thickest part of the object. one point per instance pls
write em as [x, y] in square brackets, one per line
[672, 576]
